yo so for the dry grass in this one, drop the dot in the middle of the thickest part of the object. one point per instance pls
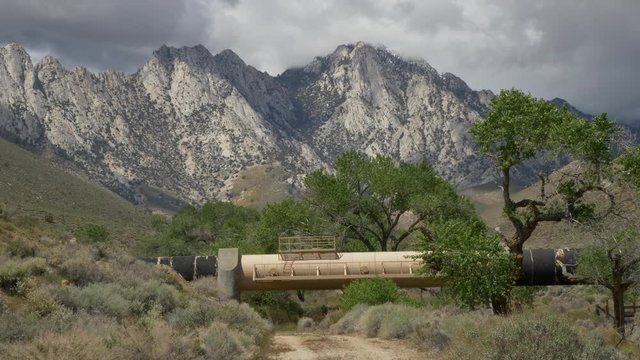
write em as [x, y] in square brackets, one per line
[259, 185]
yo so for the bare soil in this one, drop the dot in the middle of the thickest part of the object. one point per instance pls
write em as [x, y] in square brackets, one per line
[312, 346]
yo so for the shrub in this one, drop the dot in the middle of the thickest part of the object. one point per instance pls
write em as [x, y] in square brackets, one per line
[16, 327]
[105, 299]
[15, 275]
[91, 233]
[155, 293]
[277, 306]
[532, 339]
[83, 271]
[120, 302]
[206, 286]
[372, 291]
[60, 346]
[331, 318]
[240, 317]
[156, 340]
[42, 302]
[20, 248]
[394, 321]
[306, 324]
[49, 218]
[349, 321]
[219, 342]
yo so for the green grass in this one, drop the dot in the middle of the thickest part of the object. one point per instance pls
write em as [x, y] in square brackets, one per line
[34, 190]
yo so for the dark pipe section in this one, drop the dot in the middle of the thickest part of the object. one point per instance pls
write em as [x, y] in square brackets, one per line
[549, 267]
[190, 267]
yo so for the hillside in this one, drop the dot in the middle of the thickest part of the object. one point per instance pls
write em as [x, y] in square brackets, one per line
[489, 204]
[33, 189]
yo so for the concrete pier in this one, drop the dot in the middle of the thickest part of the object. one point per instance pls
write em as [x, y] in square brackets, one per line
[229, 273]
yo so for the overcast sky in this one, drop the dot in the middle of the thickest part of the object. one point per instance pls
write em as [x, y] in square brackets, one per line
[586, 51]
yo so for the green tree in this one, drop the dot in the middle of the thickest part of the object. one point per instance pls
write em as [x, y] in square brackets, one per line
[366, 197]
[476, 267]
[519, 127]
[289, 217]
[614, 263]
[202, 230]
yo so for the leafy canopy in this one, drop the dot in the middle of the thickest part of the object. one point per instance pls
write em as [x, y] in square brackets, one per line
[288, 217]
[202, 230]
[477, 267]
[612, 262]
[367, 197]
[519, 126]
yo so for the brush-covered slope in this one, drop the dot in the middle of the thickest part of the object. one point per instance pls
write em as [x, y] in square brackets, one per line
[33, 188]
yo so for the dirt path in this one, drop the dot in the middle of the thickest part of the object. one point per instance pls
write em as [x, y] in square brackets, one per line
[308, 346]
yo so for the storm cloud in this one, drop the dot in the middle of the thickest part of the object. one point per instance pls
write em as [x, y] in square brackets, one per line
[585, 51]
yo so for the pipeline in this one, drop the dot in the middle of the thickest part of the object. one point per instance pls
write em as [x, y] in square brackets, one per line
[237, 272]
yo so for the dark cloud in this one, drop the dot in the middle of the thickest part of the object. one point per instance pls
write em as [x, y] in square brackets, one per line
[116, 34]
[585, 51]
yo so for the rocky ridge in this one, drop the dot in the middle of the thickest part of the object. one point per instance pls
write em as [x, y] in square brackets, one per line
[189, 121]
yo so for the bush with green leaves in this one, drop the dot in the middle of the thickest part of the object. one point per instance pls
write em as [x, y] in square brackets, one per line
[475, 265]
[277, 306]
[16, 274]
[91, 233]
[371, 291]
[202, 230]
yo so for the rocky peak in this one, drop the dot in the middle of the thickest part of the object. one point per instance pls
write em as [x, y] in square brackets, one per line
[197, 55]
[229, 58]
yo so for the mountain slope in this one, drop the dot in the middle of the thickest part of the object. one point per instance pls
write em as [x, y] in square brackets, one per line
[188, 123]
[31, 187]
[367, 98]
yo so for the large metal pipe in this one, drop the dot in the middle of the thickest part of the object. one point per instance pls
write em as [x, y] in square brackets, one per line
[271, 272]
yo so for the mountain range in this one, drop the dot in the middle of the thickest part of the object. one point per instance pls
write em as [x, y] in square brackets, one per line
[188, 124]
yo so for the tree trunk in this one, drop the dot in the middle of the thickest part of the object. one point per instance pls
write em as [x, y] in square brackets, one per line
[500, 305]
[618, 309]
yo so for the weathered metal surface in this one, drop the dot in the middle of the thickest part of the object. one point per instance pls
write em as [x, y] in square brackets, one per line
[190, 267]
[549, 267]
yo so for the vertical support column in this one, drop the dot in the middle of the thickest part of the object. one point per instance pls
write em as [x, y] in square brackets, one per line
[229, 268]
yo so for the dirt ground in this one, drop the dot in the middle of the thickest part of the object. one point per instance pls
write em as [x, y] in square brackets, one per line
[310, 346]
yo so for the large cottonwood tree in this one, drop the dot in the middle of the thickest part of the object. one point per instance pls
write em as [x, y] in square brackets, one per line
[519, 127]
[368, 196]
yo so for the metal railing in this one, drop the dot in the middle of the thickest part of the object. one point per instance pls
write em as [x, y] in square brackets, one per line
[294, 244]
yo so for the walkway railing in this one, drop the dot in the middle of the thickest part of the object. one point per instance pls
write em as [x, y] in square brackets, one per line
[292, 248]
